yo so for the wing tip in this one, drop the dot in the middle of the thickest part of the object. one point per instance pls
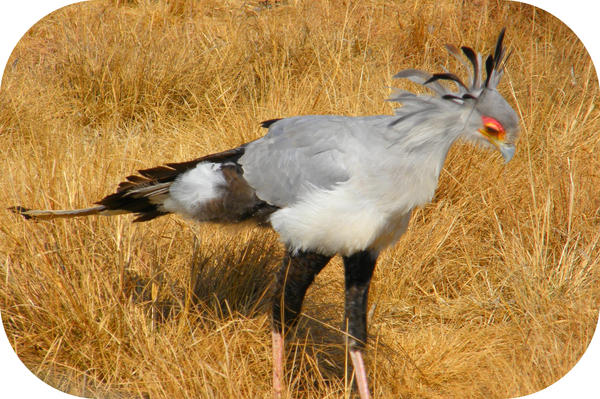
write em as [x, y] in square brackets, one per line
[266, 124]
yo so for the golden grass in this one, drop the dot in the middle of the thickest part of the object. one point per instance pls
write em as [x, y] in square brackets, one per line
[492, 293]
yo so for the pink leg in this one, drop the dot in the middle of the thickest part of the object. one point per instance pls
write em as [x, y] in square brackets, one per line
[360, 373]
[277, 364]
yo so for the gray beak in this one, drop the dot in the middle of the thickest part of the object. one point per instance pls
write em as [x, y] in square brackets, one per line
[507, 151]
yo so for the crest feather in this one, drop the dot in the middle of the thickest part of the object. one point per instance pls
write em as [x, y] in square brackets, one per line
[494, 68]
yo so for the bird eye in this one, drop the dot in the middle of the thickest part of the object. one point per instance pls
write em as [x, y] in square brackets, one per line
[492, 129]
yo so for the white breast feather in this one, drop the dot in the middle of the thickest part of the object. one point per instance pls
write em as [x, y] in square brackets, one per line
[351, 217]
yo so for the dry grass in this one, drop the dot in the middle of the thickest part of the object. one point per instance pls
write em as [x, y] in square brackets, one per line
[492, 293]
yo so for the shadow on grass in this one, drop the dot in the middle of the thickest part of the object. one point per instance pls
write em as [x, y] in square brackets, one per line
[231, 279]
[322, 344]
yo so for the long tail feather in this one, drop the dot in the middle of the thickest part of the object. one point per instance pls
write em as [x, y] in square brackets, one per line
[142, 194]
[41, 214]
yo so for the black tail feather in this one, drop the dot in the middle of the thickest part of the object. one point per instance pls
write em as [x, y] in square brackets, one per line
[21, 210]
[142, 194]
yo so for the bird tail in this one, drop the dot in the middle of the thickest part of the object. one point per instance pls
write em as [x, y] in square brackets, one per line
[42, 214]
[143, 194]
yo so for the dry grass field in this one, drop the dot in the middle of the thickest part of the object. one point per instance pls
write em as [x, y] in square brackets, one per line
[492, 293]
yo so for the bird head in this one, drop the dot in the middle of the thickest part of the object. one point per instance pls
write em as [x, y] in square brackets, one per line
[488, 118]
[492, 123]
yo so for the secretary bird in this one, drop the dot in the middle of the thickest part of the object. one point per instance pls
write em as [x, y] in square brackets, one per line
[330, 185]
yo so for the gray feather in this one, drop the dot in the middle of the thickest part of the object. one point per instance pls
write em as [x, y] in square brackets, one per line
[420, 77]
[318, 152]
[297, 155]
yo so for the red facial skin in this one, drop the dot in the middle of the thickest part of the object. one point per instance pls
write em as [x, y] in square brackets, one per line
[493, 128]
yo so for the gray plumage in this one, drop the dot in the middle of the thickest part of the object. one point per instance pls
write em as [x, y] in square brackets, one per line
[385, 165]
[328, 183]
[297, 154]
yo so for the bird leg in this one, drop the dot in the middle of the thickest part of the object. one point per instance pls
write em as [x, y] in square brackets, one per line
[358, 270]
[277, 364]
[361, 374]
[297, 272]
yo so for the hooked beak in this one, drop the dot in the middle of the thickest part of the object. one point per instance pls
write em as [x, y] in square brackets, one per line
[507, 151]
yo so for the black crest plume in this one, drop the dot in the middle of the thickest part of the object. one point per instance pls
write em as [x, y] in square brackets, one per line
[494, 68]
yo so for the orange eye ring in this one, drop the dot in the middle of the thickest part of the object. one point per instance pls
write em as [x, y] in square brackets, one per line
[492, 127]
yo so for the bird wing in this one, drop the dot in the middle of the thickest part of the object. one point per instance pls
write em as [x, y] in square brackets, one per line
[298, 155]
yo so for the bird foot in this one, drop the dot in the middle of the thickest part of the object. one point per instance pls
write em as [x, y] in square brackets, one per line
[361, 374]
[277, 364]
